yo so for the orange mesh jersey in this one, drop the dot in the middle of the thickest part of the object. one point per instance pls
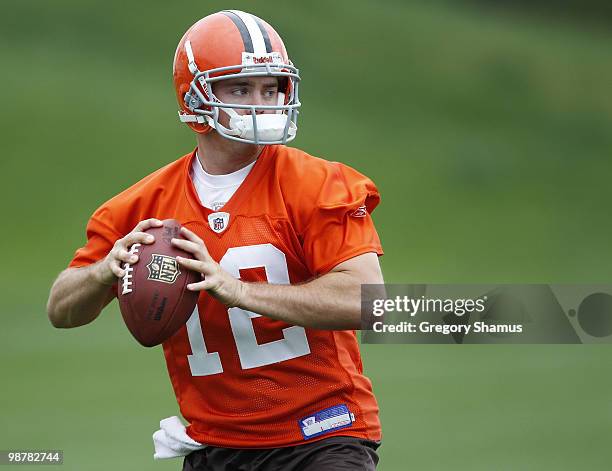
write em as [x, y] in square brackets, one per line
[243, 380]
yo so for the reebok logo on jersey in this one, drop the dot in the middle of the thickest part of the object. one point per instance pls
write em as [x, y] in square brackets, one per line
[218, 221]
[326, 420]
[360, 212]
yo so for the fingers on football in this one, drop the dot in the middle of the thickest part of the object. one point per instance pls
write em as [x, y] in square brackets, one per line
[147, 224]
[137, 238]
[205, 268]
[116, 268]
[197, 249]
[200, 285]
[125, 256]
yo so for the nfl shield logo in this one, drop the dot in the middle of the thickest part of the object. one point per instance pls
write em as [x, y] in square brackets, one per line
[218, 221]
[163, 268]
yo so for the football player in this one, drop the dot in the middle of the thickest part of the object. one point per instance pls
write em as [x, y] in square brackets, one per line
[267, 370]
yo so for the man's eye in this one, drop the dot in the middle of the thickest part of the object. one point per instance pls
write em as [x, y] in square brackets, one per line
[239, 91]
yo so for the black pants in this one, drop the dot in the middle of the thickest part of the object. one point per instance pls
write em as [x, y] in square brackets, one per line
[334, 453]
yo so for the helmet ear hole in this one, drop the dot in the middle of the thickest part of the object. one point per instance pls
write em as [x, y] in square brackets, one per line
[283, 85]
[192, 101]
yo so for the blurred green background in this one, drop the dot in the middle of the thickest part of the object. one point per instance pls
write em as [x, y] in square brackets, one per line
[487, 129]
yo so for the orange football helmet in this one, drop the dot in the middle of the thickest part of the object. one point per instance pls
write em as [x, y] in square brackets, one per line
[231, 44]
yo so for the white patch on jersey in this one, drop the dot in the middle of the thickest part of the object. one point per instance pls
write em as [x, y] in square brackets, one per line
[218, 221]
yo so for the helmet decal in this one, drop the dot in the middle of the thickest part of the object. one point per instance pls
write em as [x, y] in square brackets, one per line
[253, 33]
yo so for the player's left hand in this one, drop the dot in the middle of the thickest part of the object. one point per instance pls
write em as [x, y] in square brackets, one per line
[217, 281]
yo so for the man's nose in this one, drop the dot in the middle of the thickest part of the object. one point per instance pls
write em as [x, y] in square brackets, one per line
[260, 99]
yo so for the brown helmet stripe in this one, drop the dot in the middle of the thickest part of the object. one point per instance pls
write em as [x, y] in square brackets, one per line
[264, 33]
[244, 31]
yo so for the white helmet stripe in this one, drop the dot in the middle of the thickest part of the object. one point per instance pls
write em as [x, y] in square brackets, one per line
[264, 33]
[259, 44]
[193, 68]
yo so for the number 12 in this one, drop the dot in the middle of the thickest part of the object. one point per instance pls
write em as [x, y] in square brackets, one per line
[293, 345]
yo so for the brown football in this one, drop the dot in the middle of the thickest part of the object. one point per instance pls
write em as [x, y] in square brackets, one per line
[153, 295]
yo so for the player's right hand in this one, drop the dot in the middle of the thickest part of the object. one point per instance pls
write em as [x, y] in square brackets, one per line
[109, 269]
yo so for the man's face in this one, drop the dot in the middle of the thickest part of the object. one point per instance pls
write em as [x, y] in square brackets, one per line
[246, 91]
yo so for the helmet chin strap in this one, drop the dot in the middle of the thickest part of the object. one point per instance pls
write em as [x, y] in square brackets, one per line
[270, 127]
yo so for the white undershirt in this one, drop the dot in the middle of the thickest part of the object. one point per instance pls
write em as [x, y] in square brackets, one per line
[216, 190]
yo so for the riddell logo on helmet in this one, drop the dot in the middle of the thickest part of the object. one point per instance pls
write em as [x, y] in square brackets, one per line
[248, 58]
[262, 60]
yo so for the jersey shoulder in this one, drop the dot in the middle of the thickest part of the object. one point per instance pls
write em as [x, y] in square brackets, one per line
[310, 183]
[144, 197]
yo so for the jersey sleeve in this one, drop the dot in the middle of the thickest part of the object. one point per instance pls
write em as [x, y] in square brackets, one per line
[101, 236]
[340, 226]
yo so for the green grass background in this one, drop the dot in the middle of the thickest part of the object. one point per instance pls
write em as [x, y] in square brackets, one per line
[488, 132]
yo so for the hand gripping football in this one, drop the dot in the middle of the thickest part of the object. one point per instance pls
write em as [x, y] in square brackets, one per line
[153, 295]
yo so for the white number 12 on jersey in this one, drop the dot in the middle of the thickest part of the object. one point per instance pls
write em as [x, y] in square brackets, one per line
[293, 345]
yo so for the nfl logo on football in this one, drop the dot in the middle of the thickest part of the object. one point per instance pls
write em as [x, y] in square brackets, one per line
[218, 221]
[163, 268]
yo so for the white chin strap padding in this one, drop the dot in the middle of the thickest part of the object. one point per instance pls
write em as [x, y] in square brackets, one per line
[270, 127]
[191, 118]
[280, 101]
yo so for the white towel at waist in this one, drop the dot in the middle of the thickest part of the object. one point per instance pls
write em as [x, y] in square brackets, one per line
[172, 441]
